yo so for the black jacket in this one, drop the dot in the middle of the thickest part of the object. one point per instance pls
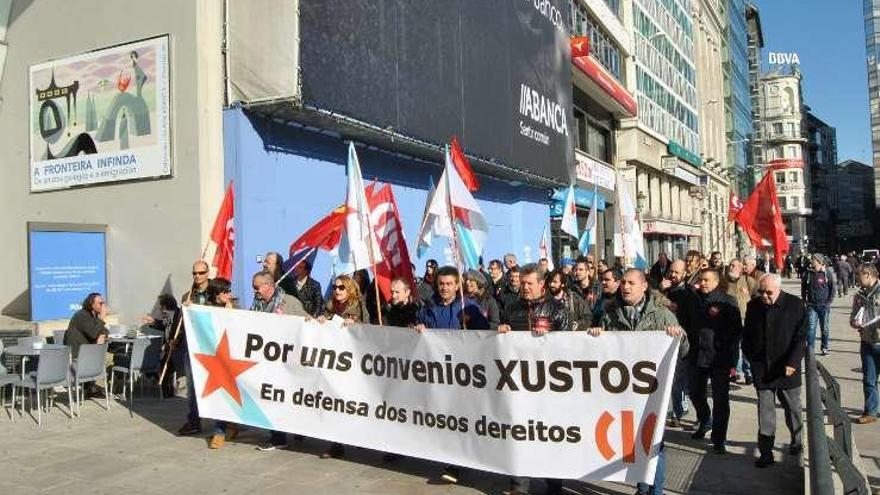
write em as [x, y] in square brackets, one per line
[774, 337]
[310, 295]
[400, 315]
[683, 301]
[547, 313]
[817, 288]
[83, 328]
[715, 328]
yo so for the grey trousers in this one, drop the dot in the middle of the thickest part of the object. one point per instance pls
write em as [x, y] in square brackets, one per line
[791, 405]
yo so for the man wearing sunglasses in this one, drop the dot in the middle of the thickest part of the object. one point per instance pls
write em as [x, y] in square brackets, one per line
[774, 341]
[198, 294]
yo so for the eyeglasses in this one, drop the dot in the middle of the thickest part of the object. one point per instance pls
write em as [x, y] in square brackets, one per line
[199, 273]
[339, 287]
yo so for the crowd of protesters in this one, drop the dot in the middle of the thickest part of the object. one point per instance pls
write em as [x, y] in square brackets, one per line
[734, 321]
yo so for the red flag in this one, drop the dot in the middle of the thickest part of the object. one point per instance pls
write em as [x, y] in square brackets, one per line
[223, 234]
[580, 46]
[385, 220]
[761, 219]
[325, 234]
[463, 166]
[734, 207]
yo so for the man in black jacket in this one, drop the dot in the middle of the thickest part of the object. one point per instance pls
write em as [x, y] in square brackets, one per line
[817, 291]
[774, 341]
[400, 311]
[682, 301]
[714, 332]
[87, 326]
[306, 289]
[538, 312]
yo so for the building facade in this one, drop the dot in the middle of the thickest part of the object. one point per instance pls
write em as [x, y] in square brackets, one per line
[784, 143]
[659, 151]
[821, 160]
[872, 47]
[854, 186]
[709, 27]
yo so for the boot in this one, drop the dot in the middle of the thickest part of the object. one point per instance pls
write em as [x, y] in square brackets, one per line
[765, 447]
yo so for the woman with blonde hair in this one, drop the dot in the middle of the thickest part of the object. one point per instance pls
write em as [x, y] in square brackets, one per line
[346, 302]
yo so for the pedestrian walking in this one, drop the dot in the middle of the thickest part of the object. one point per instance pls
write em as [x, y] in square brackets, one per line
[817, 291]
[866, 308]
[774, 338]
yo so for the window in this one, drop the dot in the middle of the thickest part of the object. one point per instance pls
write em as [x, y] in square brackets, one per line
[602, 46]
[792, 151]
[782, 203]
[793, 177]
[780, 177]
[592, 138]
[777, 128]
[795, 202]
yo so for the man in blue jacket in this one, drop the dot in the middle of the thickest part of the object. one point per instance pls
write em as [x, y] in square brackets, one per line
[817, 291]
[446, 310]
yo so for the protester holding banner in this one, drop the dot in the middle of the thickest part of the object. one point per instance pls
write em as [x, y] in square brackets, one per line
[447, 310]
[539, 312]
[346, 301]
[774, 340]
[475, 288]
[220, 295]
[198, 294]
[400, 311]
[581, 317]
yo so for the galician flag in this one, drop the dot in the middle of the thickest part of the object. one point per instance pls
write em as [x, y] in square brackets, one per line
[588, 238]
[569, 214]
[426, 236]
[632, 243]
[453, 212]
[358, 247]
[544, 249]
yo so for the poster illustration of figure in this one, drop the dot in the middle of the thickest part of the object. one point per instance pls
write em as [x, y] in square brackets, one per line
[101, 116]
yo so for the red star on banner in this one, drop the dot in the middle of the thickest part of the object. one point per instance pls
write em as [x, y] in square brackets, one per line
[222, 370]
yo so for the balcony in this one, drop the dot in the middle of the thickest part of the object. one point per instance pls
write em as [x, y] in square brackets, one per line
[785, 136]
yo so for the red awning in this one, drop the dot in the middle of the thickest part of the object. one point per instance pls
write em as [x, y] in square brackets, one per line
[607, 84]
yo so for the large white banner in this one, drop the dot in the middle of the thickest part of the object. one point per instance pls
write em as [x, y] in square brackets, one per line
[563, 405]
[101, 116]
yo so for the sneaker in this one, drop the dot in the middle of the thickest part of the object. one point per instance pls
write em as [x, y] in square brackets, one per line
[719, 449]
[217, 441]
[763, 462]
[865, 419]
[450, 475]
[189, 428]
[268, 447]
[701, 432]
[824, 352]
[334, 452]
[673, 422]
[795, 449]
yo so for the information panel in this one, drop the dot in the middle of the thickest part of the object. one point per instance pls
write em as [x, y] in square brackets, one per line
[64, 267]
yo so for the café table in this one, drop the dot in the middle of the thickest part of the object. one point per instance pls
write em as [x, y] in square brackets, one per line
[26, 351]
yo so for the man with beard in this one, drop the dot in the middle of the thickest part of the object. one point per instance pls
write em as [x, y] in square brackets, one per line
[693, 259]
[534, 311]
[511, 289]
[740, 287]
[636, 310]
[750, 268]
[582, 280]
[716, 262]
[714, 333]
[682, 302]
[581, 318]
[609, 282]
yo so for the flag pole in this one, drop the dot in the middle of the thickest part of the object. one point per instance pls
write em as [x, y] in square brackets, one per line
[373, 256]
[290, 270]
[180, 321]
[455, 243]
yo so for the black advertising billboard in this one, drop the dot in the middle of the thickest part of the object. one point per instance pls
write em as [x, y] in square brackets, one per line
[496, 73]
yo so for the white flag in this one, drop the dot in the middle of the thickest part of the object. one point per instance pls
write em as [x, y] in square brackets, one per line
[358, 247]
[544, 249]
[569, 214]
[632, 243]
[588, 238]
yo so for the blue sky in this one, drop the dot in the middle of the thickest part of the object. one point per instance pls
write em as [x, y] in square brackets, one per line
[829, 38]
